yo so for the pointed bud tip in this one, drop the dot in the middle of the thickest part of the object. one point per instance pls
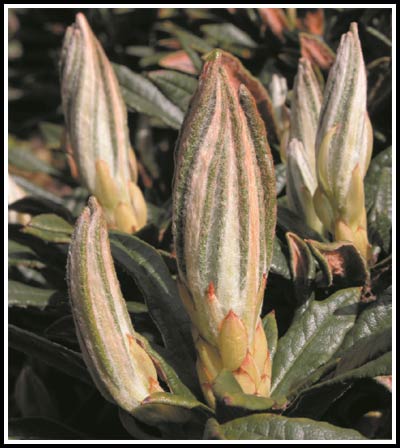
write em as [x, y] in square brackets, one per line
[213, 55]
[93, 204]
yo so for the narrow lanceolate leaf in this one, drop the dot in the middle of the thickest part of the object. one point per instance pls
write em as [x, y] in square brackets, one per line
[32, 397]
[271, 332]
[120, 367]
[51, 353]
[98, 135]
[374, 319]
[312, 339]
[50, 227]
[276, 427]
[301, 173]
[230, 38]
[177, 87]
[380, 214]
[344, 145]
[23, 296]
[224, 215]
[143, 96]
[22, 255]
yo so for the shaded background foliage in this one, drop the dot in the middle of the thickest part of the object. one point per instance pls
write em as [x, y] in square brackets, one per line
[41, 396]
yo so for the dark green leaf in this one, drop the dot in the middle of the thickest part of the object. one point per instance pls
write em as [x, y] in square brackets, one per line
[134, 427]
[39, 205]
[279, 264]
[32, 397]
[380, 213]
[228, 33]
[22, 255]
[380, 36]
[143, 96]
[288, 221]
[25, 159]
[379, 366]
[376, 317]
[271, 331]
[312, 339]
[62, 330]
[177, 400]
[35, 190]
[49, 227]
[176, 86]
[137, 307]
[22, 296]
[139, 50]
[55, 355]
[382, 160]
[153, 58]
[365, 349]
[195, 42]
[276, 427]
[230, 38]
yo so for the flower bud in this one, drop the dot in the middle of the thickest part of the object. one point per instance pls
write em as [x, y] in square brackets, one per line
[96, 119]
[121, 369]
[344, 146]
[301, 173]
[224, 217]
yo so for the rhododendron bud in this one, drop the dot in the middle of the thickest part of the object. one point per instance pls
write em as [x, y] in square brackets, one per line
[120, 367]
[224, 224]
[98, 135]
[301, 172]
[344, 146]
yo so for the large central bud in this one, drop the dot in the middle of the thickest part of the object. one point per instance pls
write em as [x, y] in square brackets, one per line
[224, 223]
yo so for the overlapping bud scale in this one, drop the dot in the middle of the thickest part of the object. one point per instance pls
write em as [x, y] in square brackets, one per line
[224, 222]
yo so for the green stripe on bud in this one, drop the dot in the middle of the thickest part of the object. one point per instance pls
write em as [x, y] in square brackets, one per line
[224, 210]
[96, 120]
[344, 145]
[121, 369]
